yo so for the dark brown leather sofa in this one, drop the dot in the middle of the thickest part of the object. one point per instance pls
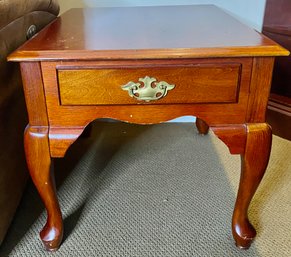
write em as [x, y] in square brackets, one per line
[16, 17]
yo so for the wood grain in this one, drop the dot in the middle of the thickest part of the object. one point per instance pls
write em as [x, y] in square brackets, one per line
[146, 33]
[38, 158]
[234, 136]
[260, 89]
[253, 143]
[193, 84]
[73, 69]
[254, 162]
[34, 93]
[147, 113]
[61, 138]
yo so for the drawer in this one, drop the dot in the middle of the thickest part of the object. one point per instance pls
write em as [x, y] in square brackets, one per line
[200, 83]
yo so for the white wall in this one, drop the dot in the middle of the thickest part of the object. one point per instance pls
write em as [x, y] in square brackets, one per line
[250, 12]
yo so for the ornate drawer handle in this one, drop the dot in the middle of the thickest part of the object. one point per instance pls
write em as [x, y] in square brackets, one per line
[149, 90]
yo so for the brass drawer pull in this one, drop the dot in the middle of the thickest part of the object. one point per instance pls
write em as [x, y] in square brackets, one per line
[148, 90]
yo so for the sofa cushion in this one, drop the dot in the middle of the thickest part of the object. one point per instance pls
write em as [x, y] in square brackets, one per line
[13, 9]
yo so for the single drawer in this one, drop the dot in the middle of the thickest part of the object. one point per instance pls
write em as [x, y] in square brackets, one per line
[199, 83]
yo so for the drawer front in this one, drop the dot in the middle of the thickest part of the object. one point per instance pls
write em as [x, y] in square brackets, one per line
[201, 83]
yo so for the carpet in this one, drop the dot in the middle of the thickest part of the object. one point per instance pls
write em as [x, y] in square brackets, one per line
[160, 190]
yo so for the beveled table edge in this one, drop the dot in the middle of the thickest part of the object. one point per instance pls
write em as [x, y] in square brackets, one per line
[181, 53]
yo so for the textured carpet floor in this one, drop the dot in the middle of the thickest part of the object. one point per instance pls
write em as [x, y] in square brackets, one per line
[159, 190]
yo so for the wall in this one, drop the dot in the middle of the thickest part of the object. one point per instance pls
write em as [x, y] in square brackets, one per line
[250, 12]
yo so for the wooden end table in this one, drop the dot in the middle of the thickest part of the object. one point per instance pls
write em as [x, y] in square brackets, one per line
[147, 65]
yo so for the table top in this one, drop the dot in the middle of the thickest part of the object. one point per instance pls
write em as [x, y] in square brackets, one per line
[146, 32]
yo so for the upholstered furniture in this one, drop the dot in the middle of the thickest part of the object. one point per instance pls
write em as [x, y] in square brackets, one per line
[18, 21]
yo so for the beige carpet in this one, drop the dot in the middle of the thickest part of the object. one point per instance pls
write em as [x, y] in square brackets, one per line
[157, 190]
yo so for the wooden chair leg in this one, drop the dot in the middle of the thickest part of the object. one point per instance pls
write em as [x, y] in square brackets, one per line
[39, 165]
[254, 162]
[202, 126]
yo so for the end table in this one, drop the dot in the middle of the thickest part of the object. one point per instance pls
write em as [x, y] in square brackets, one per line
[147, 65]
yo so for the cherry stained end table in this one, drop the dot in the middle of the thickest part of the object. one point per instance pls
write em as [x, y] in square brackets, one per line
[147, 65]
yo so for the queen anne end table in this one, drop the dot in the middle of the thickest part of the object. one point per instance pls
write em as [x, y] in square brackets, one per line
[147, 65]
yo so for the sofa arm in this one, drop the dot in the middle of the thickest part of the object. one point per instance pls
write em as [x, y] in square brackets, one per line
[16, 17]
[13, 9]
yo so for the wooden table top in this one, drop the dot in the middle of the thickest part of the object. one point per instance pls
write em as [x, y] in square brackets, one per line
[146, 32]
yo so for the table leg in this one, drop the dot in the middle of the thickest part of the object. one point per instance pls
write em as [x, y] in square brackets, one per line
[202, 126]
[39, 165]
[253, 143]
[254, 163]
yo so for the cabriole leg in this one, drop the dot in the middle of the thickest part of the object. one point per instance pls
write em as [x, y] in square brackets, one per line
[39, 165]
[254, 162]
[202, 126]
[253, 143]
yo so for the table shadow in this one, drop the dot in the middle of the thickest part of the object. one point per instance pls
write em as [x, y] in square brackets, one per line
[103, 144]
